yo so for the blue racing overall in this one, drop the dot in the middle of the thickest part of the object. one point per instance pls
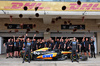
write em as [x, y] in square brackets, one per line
[27, 50]
[74, 48]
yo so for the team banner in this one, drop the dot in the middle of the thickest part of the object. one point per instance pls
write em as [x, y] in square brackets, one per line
[49, 6]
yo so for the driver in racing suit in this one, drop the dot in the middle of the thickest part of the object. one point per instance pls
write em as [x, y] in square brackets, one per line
[27, 48]
[74, 48]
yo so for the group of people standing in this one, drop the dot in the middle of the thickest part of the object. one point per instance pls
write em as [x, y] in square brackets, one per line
[13, 46]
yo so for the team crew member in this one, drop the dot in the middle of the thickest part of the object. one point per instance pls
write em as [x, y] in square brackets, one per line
[69, 47]
[7, 48]
[47, 43]
[38, 44]
[66, 45]
[42, 44]
[20, 45]
[74, 48]
[92, 47]
[83, 46]
[16, 47]
[78, 45]
[27, 48]
[87, 47]
[52, 44]
[11, 48]
[62, 44]
[57, 44]
[12, 41]
[34, 44]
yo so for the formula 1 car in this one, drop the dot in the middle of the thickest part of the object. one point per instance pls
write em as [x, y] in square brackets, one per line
[47, 54]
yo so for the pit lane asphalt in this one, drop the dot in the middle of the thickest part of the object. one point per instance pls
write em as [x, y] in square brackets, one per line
[18, 62]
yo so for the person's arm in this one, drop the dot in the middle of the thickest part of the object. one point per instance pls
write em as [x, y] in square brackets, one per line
[23, 46]
[55, 38]
[25, 37]
[77, 47]
[40, 45]
[31, 47]
[18, 37]
[14, 38]
[4, 44]
[61, 38]
[59, 46]
[89, 46]
[33, 37]
[70, 44]
[54, 46]
[36, 46]
[84, 36]
[64, 45]
[80, 45]
[93, 38]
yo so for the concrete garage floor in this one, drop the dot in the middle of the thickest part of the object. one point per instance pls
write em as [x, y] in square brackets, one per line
[18, 62]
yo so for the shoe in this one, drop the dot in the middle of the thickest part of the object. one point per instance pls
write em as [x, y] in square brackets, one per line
[94, 57]
[19, 57]
[72, 61]
[23, 62]
[77, 61]
[89, 57]
[28, 61]
[6, 57]
[11, 57]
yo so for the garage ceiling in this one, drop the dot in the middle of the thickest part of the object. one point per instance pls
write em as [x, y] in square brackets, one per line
[49, 15]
